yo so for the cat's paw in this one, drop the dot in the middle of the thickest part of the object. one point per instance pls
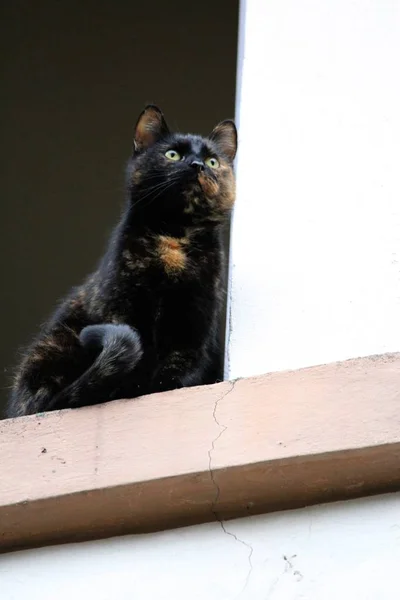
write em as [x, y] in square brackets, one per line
[165, 380]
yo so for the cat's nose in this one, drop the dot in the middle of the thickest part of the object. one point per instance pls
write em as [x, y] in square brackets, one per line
[197, 164]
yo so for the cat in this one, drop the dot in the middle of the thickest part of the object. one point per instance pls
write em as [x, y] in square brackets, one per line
[147, 320]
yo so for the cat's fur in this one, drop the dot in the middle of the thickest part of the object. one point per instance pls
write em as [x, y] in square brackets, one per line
[147, 319]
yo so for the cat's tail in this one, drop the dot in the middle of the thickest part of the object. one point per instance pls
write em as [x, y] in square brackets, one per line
[117, 349]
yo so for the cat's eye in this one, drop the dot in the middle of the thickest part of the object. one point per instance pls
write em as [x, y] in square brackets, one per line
[212, 162]
[173, 155]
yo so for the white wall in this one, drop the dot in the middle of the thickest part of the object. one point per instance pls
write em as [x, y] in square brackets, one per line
[344, 551]
[316, 234]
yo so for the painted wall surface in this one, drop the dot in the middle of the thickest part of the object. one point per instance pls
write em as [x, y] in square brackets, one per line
[347, 551]
[316, 234]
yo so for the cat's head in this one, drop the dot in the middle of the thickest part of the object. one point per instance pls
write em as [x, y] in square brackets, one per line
[182, 177]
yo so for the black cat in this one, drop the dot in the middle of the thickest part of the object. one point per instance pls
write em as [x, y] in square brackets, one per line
[147, 319]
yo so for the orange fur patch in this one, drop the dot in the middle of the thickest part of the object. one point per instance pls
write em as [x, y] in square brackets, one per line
[77, 301]
[209, 186]
[172, 254]
[136, 177]
[227, 188]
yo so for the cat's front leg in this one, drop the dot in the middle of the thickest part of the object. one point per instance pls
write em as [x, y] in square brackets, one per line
[185, 329]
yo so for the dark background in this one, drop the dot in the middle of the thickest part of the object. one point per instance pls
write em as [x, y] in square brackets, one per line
[75, 75]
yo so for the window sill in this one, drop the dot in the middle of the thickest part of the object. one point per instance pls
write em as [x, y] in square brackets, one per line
[274, 442]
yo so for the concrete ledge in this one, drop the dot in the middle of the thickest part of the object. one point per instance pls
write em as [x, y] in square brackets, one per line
[273, 442]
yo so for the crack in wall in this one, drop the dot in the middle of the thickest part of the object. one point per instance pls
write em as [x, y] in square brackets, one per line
[217, 488]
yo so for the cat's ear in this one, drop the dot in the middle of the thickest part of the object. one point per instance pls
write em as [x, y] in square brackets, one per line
[150, 127]
[224, 136]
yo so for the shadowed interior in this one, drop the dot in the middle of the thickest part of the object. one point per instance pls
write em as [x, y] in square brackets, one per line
[74, 78]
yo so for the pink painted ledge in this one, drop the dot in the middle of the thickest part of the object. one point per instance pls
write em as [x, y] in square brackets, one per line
[278, 441]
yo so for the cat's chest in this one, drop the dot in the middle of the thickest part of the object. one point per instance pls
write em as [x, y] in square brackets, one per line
[165, 260]
[174, 256]
[163, 280]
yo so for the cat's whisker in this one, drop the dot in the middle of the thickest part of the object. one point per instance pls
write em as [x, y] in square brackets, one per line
[163, 185]
[160, 192]
[151, 177]
[149, 192]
